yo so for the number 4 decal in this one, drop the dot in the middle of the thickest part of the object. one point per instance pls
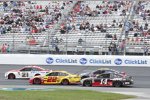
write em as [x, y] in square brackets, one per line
[104, 81]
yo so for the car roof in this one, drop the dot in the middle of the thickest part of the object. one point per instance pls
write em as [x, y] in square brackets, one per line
[108, 69]
[34, 67]
[60, 71]
[104, 69]
[110, 73]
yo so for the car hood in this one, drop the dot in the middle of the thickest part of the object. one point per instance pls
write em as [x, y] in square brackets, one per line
[128, 77]
[13, 71]
[84, 74]
[88, 78]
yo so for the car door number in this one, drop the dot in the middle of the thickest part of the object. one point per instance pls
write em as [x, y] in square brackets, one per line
[52, 79]
[25, 74]
[104, 81]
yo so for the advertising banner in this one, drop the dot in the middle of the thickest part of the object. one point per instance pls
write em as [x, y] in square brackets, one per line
[81, 60]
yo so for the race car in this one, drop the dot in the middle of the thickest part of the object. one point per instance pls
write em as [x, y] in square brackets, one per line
[99, 71]
[56, 77]
[108, 79]
[26, 72]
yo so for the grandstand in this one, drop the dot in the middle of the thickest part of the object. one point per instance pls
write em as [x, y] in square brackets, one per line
[75, 27]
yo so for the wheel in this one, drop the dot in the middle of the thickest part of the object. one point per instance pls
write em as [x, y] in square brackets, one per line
[37, 81]
[117, 84]
[65, 82]
[87, 83]
[11, 76]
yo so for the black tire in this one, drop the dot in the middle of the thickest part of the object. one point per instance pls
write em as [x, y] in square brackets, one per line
[11, 76]
[65, 82]
[37, 81]
[87, 83]
[117, 84]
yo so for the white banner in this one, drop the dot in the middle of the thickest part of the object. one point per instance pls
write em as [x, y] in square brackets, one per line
[84, 60]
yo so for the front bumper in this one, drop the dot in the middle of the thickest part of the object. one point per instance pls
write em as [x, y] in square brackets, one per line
[6, 75]
[30, 81]
[127, 83]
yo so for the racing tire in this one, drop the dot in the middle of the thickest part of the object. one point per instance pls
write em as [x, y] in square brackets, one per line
[117, 84]
[65, 82]
[11, 76]
[37, 81]
[87, 83]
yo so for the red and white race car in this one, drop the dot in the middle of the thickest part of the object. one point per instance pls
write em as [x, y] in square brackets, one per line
[26, 72]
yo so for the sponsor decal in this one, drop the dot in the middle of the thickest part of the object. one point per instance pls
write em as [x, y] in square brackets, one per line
[99, 61]
[118, 61]
[135, 61]
[94, 61]
[83, 61]
[66, 60]
[49, 60]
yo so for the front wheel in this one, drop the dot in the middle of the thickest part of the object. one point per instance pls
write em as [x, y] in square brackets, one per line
[37, 81]
[117, 84]
[87, 83]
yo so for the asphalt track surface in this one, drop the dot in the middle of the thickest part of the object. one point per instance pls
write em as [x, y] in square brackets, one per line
[141, 76]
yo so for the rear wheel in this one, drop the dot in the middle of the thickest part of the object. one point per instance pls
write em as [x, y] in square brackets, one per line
[37, 81]
[87, 83]
[11, 76]
[117, 84]
[65, 82]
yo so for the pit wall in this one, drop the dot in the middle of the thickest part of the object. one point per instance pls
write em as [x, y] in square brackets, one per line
[79, 60]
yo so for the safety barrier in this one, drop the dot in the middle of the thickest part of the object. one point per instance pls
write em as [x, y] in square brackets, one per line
[83, 60]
